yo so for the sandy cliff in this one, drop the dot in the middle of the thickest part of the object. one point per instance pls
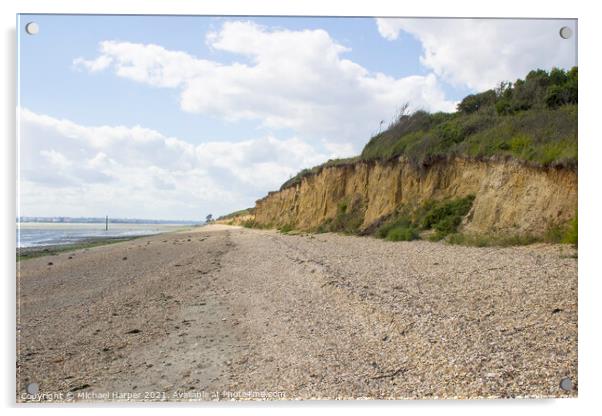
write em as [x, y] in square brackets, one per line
[511, 197]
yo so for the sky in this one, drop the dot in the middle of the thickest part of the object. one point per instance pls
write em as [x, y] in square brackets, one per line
[177, 117]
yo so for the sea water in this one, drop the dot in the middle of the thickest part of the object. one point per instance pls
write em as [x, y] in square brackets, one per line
[34, 234]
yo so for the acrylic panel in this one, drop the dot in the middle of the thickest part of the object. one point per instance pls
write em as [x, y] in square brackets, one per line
[282, 208]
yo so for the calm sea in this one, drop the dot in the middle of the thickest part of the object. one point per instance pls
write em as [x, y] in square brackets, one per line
[32, 234]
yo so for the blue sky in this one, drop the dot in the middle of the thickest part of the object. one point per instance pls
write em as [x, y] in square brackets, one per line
[176, 117]
[63, 91]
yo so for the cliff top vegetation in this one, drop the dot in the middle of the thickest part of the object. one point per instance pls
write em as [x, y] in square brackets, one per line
[532, 120]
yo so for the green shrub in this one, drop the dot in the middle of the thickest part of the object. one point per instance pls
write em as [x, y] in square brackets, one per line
[570, 236]
[444, 216]
[475, 102]
[400, 233]
[519, 143]
[448, 225]
[565, 88]
[400, 222]
[287, 228]
[503, 106]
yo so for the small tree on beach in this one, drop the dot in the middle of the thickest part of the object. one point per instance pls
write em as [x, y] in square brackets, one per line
[209, 218]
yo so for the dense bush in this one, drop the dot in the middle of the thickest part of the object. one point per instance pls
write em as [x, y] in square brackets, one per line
[539, 89]
[400, 221]
[544, 137]
[400, 229]
[475, 102]
[443, 217]
[551, 135]
[564, 91]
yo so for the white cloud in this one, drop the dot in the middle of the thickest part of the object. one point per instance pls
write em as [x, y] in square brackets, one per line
[98, 64]
[479, 53]
[55, 158]
[74, 170]
[340, 149]
[287, 79]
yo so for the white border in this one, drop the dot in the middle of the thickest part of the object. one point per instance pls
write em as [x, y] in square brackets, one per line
[590, 209]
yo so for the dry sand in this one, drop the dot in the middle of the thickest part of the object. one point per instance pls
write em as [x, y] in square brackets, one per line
[225, 312]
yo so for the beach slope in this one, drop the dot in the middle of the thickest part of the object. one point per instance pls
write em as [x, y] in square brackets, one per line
[224, 312]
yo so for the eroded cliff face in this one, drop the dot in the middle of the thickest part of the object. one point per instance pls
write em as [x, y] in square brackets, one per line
[237, 220]
[511, 198]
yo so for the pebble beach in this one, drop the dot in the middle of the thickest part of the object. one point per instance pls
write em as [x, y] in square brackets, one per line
[229, 313]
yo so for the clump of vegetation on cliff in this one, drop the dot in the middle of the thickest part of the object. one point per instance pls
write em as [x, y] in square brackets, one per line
[400, 229]
[533, 120]
[403, 234]
[442, 217]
